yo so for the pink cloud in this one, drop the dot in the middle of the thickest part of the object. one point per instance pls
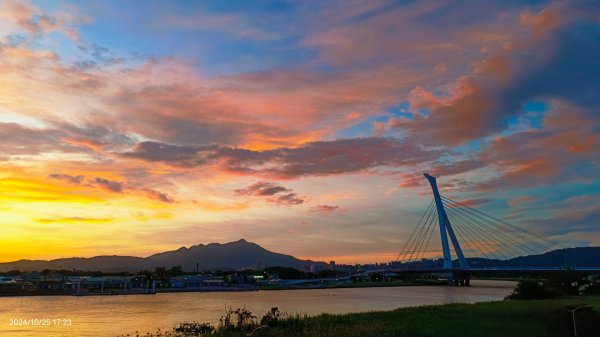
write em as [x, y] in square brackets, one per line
[315, 158]
[544, 156]
[37, 21]
[112, 186]
[273, 193]
[325, 209]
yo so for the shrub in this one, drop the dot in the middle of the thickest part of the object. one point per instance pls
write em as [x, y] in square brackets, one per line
[532, 290]
[592, 288]
[189, 329]
[271, 318]
[245, 319]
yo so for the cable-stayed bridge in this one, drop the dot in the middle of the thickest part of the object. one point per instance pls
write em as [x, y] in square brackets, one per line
[472, 241]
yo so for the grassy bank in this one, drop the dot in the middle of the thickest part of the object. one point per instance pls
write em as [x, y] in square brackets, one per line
[504, 318]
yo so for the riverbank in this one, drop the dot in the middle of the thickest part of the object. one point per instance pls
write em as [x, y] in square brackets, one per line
[134, 291]
[248, 287]
[487, 319]
[428, 282]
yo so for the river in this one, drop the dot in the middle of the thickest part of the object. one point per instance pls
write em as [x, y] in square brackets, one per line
[94, 316]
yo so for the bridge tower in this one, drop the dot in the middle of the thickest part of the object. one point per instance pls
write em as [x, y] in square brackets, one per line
[446, 229]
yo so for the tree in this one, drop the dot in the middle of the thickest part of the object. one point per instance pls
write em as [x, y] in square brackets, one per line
[285, 273]
[531, 290]
[176, 271]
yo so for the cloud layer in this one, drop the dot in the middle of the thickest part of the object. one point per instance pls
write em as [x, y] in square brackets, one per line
[334, 112]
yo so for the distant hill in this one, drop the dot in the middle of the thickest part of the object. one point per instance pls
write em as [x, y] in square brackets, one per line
[579, 257]
[565, 258]
[243, 254]
[233, 255]
[97, 263]
[568, 257]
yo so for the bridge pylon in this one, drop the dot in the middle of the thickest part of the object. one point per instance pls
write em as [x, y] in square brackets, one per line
[446, 230]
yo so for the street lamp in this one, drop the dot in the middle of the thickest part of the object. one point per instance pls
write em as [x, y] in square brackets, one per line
[573, 312]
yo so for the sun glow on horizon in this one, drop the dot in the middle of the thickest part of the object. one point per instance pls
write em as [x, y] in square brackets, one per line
[207, 122]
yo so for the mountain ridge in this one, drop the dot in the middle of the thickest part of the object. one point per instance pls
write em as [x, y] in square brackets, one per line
[239, 254]
[243, 254]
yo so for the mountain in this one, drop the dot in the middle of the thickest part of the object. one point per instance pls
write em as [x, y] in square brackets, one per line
[579, 257]
[98, 263]
[233, 255]
[243, 254]
[568, 257]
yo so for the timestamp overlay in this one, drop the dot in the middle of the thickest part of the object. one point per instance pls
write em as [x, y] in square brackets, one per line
[91, 316]
[17, 322]
[41, 322]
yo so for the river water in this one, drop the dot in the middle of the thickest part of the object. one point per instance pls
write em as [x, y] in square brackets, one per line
[93, 316]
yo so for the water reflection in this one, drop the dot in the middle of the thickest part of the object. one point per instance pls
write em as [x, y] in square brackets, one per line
[114, 315]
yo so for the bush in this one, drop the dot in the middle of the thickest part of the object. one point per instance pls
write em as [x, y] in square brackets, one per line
[189, 329]
[566, 282]
[245, 319]
[532, 290]
[271, 318]
[592, 288]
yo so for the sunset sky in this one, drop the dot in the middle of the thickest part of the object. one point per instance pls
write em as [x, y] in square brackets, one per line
[135, 127]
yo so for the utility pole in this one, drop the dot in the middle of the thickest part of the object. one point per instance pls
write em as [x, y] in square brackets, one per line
[573, 312]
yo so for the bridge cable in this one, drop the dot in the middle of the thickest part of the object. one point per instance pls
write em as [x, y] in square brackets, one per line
[490, 241]
[474, 242]
[413, 245]
[478, 226]
[414, 231]
[420, 236]
[551, 242]
[479, 237]
[428, 239]
[466, 244]
[522, 246]
[428, 234]
[485, 253]
[504, 232]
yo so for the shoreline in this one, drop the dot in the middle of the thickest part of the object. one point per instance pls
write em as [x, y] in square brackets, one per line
[353, 285]
[30, 293]
[516, 318]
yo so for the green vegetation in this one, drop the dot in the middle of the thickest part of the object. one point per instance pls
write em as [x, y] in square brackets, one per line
[508, 318]
[562, 284]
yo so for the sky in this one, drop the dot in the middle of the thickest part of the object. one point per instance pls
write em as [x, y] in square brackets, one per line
[131, 128]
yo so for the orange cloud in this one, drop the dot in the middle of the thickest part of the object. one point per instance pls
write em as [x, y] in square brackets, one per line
[311, 159]
[325, 209]
[542, 156]
[273, 193]
[547, 19]
[112, 186]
